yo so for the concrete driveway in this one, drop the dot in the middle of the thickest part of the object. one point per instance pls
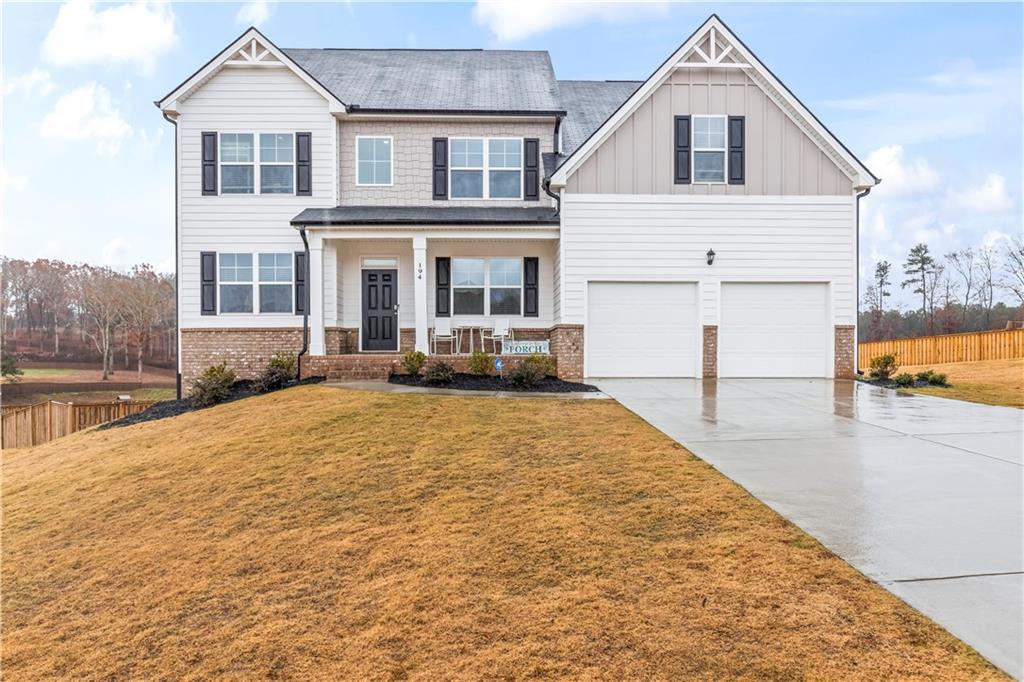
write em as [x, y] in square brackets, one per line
[922, 494]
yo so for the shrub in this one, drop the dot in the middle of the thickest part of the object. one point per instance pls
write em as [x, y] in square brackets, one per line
[481, 363]
[938, 379]
[8, 366]
[438, 374]
[904, 380]
[285, 361]
[883, 366]
[272, 379]
[925, 376]
[213, 385]
[413, 361]
[530, 371]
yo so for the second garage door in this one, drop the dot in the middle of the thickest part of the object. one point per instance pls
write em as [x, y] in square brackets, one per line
[774, 330]
[642, 329]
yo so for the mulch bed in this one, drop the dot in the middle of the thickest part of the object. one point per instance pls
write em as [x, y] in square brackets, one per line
[243, 388]
[475, 382]
[889, 383]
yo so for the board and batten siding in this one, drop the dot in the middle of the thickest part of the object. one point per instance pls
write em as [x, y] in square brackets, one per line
[780, 158]
[665, 238]
[256, 100]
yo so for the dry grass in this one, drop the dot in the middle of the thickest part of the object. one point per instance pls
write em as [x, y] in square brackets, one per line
[91, 396]
[993, 382]
[321, 533]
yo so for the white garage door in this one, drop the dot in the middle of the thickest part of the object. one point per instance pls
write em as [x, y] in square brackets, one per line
[774, 330]
[642, 329]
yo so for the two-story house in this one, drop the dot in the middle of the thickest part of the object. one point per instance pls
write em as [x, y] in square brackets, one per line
[344, 203]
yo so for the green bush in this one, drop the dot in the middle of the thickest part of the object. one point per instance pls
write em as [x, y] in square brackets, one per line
[481, 363]
[883, 366]
[284, 361]
[530, 371]
[938, 379]
[213, 385]
[439, 374]
[8, 366]
[924, 376]
[413, 361]
[904, 380]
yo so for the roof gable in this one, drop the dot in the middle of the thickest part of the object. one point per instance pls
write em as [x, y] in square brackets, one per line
[714, 46]
[251, 50]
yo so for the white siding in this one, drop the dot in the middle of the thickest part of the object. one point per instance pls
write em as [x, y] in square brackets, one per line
[246, 100]
[665, 238]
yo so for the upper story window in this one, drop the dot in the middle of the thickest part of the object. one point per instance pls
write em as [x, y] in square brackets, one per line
[268, 167]
[487, 286]
[373, 160]
[709, 148]
[489, 168]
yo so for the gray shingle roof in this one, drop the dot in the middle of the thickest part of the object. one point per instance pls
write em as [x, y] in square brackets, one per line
[427, 215]
[589, 104]
[467, 80]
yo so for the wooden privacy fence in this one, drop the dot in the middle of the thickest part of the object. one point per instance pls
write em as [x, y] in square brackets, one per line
[935, 350]
[40, 423]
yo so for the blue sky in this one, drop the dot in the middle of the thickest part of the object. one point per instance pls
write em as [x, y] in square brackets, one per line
[928, 95]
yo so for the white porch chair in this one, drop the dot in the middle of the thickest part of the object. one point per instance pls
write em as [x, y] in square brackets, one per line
[500, 332]
[443, 332]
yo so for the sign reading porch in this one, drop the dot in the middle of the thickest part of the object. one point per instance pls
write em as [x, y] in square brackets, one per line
[525, 347]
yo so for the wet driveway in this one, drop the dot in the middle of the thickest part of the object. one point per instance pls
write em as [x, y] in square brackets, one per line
[922, 494]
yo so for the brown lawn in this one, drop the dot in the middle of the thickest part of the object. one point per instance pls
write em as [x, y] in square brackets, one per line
[993, 382]
[321, 533]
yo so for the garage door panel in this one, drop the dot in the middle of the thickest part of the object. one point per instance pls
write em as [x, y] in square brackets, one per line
[641, 329]
[774, 330]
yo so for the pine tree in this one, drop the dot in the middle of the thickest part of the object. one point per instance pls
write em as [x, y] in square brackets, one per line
[918, 267]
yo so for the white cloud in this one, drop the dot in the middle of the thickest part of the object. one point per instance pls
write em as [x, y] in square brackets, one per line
[87, 113]
[901, 176]
[989, 197]
[36, 81]
[254, 13]
[167, 265]
[511, 20]
[114, 252]
[136, 32]
[15, 182]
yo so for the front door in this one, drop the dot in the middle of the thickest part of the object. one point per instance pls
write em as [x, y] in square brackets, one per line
[380, 310]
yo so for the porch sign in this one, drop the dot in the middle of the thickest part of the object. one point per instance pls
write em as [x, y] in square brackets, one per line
[525, 347]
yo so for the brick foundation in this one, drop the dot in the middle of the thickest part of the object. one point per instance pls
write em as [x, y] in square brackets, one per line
[245, 351]
[710, 358]
[844, 351]
[567, 347]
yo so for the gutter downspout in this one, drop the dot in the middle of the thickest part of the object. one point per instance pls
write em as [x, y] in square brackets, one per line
[856, 345]
[177, 267]
[556, 197]
[305, 306]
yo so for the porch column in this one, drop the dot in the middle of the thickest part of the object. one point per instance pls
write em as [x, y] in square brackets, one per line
[316, 294]
[419, 260]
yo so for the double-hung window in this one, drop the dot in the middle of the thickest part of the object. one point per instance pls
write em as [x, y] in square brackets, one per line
[235, 277]
[373, 160]
[709, 148]
[275, 272]
[257, 164]
[487, 286]
[486, 168]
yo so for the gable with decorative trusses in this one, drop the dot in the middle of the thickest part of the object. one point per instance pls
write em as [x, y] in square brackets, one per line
[789, 151]
[251, 51]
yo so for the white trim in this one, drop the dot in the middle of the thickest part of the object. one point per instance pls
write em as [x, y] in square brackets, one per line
[171, 102]
[724, 149]
[398, 313]
[362, 232]
[860, 175]
[486, 168]
[391, 160]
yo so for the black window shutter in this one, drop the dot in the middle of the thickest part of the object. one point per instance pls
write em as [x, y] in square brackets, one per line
[440, 167]
[531, 277]
[303, 164]
[208, 282]
[443, 282]
[737, 140]
[209, 152]
[531, 169]
[682, 151]
[300, 282]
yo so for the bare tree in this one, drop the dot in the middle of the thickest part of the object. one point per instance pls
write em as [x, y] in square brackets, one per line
[986, 283]
[1013, 263]
[964, 263]
[936, 281]
[144, 297]
[99, 295]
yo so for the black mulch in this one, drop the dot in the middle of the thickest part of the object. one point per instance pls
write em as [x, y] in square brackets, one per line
[474, 382]
[889, 383]
[243, 388]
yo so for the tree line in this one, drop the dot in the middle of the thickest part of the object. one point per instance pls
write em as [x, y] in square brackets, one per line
[47, 303]
[956, 292]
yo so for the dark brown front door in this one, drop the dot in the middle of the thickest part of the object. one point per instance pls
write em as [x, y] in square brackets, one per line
[380, 310]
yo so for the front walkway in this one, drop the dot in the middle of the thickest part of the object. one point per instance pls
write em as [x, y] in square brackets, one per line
[922, 494]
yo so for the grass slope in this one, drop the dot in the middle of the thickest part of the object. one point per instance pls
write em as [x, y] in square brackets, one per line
[992, 382]
[321, 533]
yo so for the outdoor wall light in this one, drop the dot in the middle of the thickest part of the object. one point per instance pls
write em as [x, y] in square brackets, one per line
[711, 256]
